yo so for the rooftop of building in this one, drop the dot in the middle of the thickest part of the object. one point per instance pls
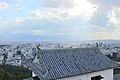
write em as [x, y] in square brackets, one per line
[60, 63]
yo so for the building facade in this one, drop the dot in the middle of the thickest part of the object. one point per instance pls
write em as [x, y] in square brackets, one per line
[106, 74]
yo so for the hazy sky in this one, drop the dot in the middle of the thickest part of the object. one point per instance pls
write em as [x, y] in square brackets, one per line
[62, 19]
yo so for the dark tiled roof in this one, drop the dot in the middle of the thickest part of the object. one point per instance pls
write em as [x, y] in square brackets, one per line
[61, 63]
[116, 77]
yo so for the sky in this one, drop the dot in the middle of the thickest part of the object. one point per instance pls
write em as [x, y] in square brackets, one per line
[59, 20]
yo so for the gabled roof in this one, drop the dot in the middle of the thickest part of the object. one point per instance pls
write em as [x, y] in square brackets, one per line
[59, 63]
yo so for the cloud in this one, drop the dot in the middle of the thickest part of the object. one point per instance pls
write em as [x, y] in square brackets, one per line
[100, 18]
[72, 7]
[40, 14]
[34, 26]
[107, 14]
[105, 34]
[33, 32]
[38, 32]
[84, 8]
[50, 15]
[39, 23]
[62, 4]
[19, 20]
[2, 25]
[3, 5]
[106, 4]
[20, 6]
[114, 19]
[82, 32]
[80, 8]
[78, 19]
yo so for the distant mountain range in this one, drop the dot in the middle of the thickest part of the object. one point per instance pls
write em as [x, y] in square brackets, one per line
[106, 41]
[30, 37]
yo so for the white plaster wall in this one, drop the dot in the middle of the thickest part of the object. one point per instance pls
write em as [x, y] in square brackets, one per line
[107, 74]
[10, 55]
[33, 74]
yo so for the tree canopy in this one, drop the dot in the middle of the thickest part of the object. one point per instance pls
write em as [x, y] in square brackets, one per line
[9, 72]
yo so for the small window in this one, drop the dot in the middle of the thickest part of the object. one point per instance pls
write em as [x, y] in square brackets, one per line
[99, 77]
[18, 61]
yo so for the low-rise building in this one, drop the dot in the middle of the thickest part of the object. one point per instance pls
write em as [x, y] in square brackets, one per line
[18, 58]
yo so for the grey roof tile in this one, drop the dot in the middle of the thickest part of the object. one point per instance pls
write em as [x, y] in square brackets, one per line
[69, 62]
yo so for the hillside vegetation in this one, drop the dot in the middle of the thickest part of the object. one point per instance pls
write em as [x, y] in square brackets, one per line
[9, 72]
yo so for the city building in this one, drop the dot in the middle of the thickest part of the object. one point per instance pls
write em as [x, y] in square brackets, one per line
[1, 58]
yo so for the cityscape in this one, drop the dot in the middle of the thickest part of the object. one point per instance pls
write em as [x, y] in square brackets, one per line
[22, 54]
[59, 40]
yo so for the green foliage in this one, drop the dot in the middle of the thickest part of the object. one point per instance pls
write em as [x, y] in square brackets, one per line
[9, 72]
